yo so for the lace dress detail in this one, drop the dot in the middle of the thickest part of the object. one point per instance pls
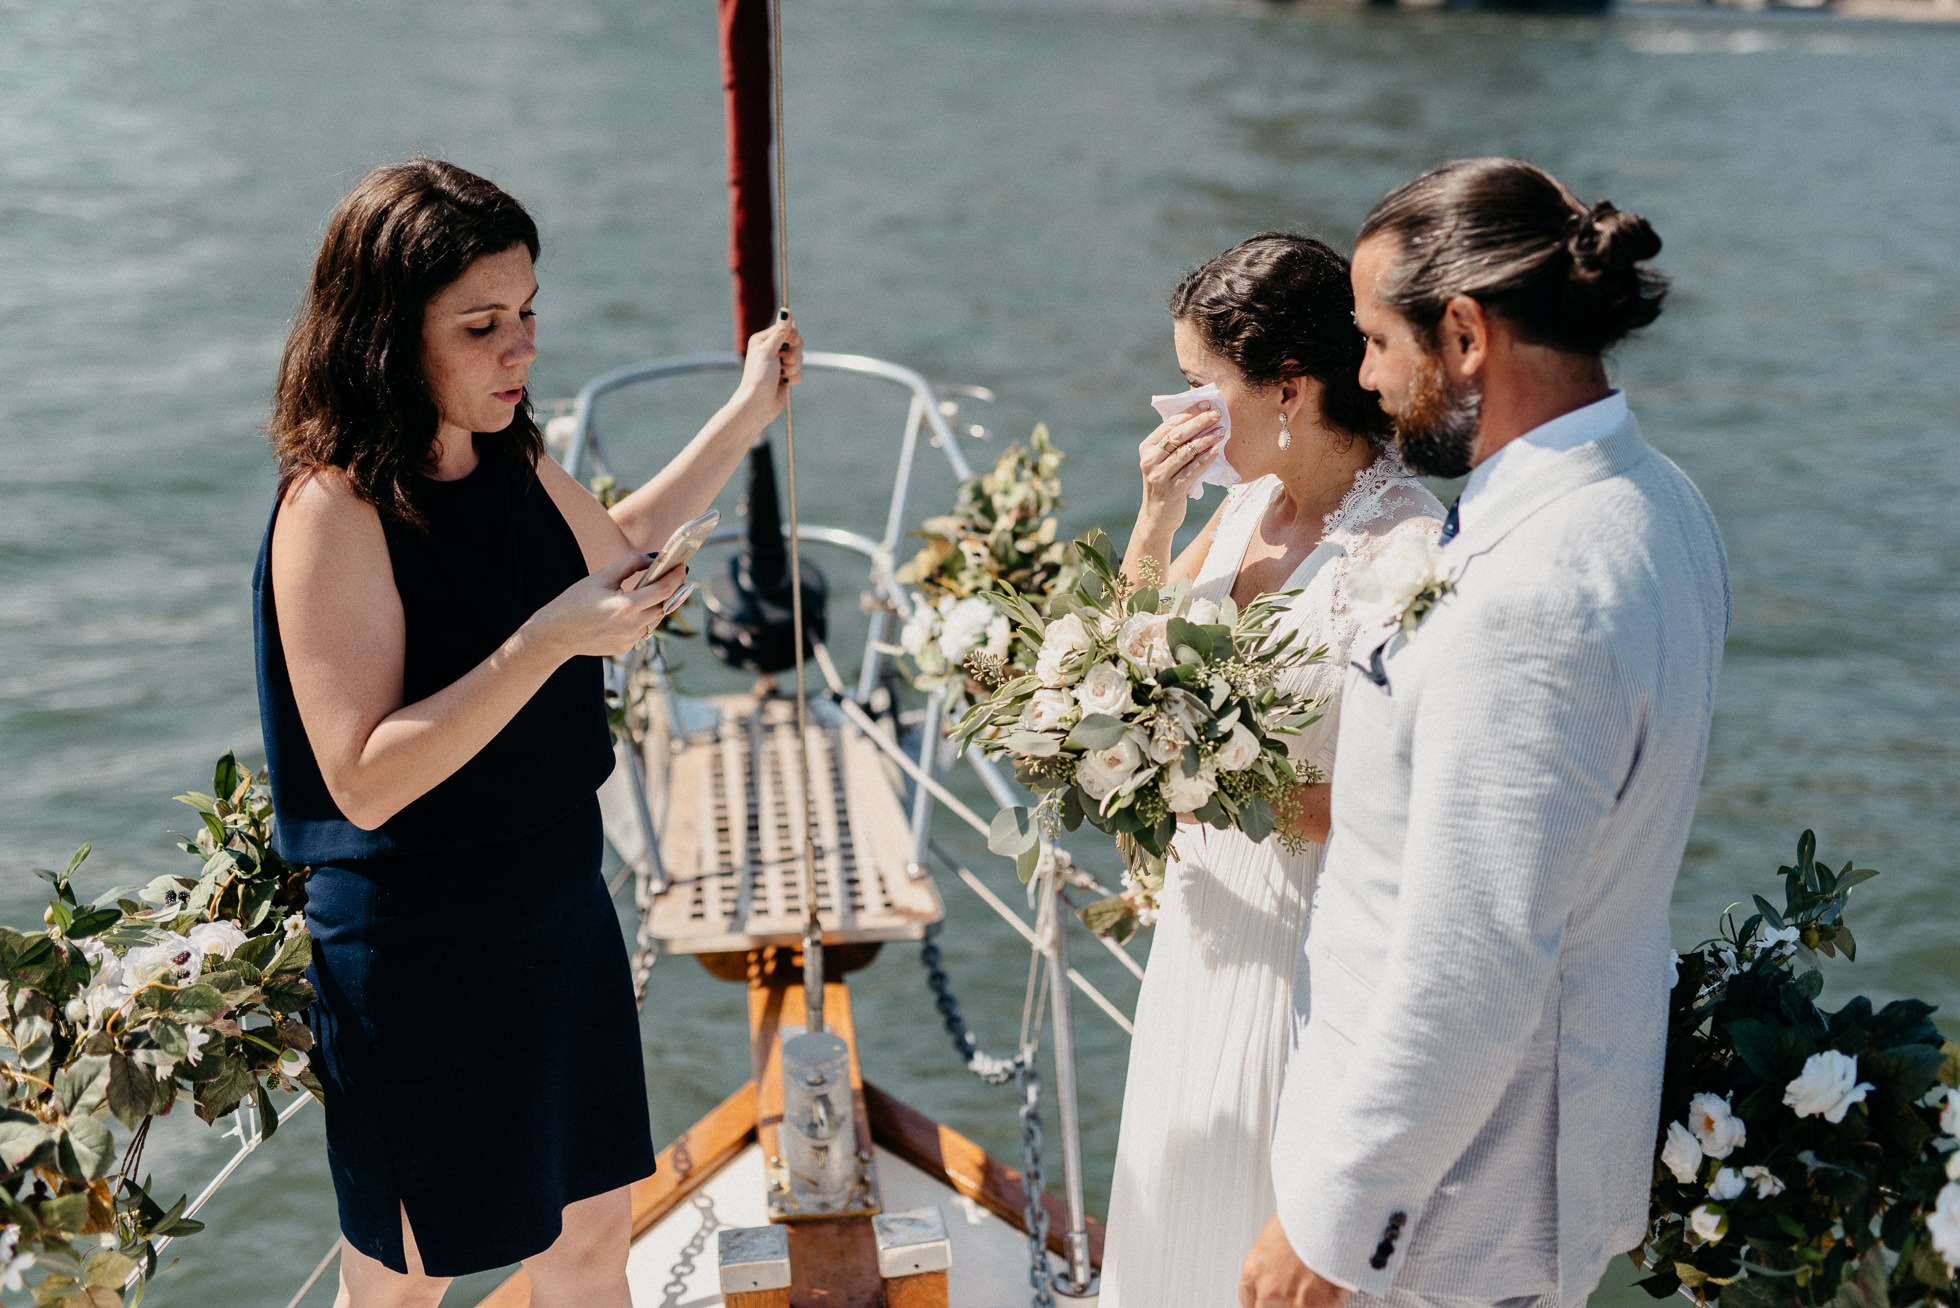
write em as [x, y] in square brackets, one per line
[1193, 1181]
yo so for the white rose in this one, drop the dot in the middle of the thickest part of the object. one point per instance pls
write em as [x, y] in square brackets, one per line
[1186, 792]
[1202, 612]
[1000, 633]
[1709, 1223]
[1047, 710]
[1104, 689]
[1768, 1184]
[1380, 589]
[965, 627]
[1827, 1086]
[1727, 1185]
[918, 631]
[1943, 1225]
[1143, 640]
[1165, 742]
[1239, 752]
[1102, 770]
[219, 938]
[175, 961]
[100, 1000]
[1682, 1153]
[1065, 639]
[1718, 1130]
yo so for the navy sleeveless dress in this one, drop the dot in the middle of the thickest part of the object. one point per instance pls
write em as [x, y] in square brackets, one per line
[475, 1028]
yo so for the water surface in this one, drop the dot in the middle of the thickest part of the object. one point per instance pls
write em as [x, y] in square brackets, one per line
[994, 193]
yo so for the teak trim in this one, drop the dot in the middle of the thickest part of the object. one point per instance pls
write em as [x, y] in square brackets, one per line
[940, 1151]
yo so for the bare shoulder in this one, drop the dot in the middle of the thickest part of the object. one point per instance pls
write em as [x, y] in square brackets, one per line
[323, 522]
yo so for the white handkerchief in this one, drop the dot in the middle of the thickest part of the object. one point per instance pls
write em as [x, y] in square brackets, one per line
[1220, 473]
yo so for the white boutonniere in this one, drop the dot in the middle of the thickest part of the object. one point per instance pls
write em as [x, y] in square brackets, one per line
[1399, 586]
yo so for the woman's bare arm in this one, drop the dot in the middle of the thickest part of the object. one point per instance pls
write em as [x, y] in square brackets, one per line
[1313, 818]
[345, 638]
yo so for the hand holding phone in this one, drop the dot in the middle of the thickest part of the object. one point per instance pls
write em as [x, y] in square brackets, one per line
[689, 537]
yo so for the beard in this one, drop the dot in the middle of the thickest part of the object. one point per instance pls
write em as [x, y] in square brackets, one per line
[1436, 427]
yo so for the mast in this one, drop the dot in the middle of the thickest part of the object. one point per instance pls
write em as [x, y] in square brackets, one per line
[745, 84]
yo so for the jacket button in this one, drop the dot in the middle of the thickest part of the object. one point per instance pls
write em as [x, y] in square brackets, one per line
[1382, 1253]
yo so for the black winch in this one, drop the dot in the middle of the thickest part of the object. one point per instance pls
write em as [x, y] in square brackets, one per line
[749, 623]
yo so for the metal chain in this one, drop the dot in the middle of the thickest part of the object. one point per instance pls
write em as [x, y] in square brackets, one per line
[992, 1070]
[1035, 1214]
[1021, 1070]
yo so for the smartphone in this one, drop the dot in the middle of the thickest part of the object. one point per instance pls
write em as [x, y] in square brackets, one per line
[681, 546]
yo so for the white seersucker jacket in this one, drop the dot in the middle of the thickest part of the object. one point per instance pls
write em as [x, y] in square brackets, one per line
[1473, 1090]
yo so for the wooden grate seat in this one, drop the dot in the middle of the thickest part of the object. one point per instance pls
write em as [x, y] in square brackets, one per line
[733, 837]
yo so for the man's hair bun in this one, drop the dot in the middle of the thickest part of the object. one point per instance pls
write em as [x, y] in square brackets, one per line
[1514, 238]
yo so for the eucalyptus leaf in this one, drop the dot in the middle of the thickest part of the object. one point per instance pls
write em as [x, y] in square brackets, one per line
[1013, 831]
[1026, 863]
[1098, 731]
[1113, 917]
[1256, 818]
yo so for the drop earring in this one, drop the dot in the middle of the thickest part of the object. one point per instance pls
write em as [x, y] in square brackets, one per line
[1285, 434]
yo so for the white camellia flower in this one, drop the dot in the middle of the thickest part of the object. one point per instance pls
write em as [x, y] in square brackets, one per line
[1105, 689]
[1827, 1087]
[1943, 1225]
[292, 1062]
[1682, 1153]
[1380, 590]
[1727, 1185]
[1047, 710]
[1065, 640]
[1709, 1223]
[13, 1263]
[1239, 752]
[1102, 770]
[1143, 639]
[1716, 1128]
[1187, 792]
[219, 938]
[1768, 1184]
[175, 961]
[1202, 612]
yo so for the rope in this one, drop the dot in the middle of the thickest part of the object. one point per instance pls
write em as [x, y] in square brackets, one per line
[812, 929]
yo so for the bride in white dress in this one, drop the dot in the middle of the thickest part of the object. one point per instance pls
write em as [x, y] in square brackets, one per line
[1270, 322]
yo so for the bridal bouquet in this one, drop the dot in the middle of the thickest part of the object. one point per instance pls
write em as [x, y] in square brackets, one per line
[1139, 707]
[1804, 1157]
[1001, 533]
[184, 989]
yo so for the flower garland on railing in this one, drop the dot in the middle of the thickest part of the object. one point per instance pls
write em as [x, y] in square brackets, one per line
[1138, 708]
[185, 988]
[1001, 533]
[1805, 1157]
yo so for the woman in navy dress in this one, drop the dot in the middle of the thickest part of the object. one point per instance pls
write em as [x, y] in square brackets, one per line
[434, 596]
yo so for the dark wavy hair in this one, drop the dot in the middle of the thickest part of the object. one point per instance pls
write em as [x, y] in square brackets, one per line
[1514, 238]
[351, 392]
[1279, 306]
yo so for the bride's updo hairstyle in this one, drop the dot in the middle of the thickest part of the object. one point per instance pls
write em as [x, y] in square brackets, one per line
[351, 392]
[1277, 306]
[1514, 238]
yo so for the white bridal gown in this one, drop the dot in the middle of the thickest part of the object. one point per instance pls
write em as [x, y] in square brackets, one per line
[1193, 1182]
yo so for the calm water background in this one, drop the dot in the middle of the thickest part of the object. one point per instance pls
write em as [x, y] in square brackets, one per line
[993, 193]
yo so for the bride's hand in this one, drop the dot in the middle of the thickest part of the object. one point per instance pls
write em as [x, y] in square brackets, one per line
[1172, 458]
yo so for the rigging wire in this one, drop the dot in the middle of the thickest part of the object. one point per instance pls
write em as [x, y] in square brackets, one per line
[812, 930]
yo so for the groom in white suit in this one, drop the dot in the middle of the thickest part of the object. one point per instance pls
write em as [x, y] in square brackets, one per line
[1471, 1099]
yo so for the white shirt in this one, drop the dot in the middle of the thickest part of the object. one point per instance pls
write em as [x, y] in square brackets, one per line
[1515, 461]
